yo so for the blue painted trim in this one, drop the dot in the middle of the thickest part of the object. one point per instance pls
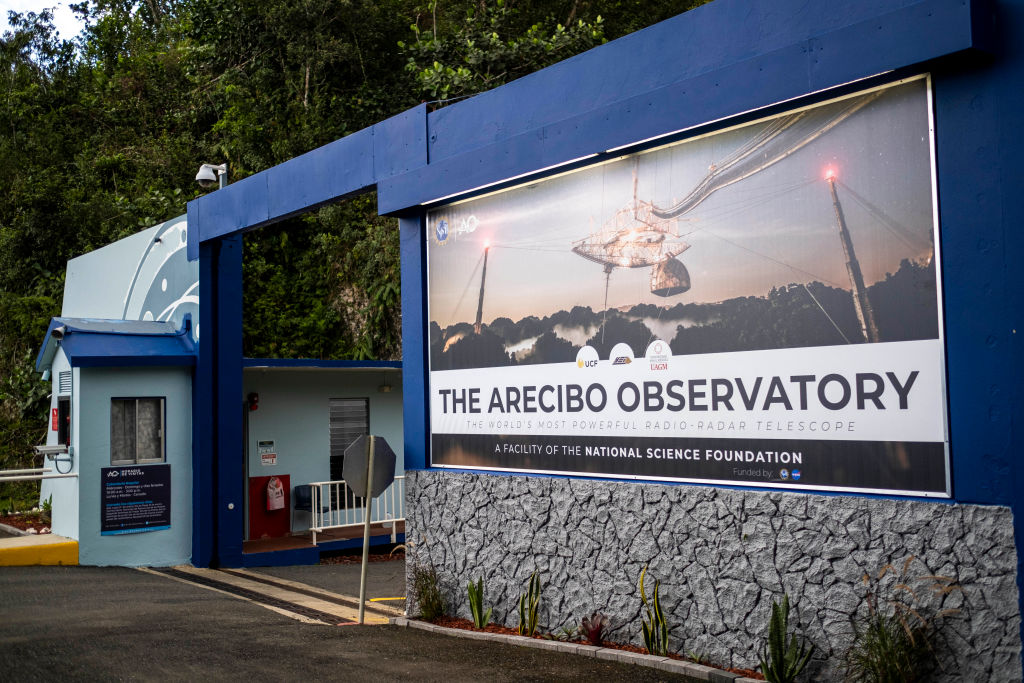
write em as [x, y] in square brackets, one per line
[118, 343]
[810, 490]
[320, 363]
[228, 406]
[339, 169]
[670, 77]
[204, 388]
[282, 558]
[311, 555]
[415, 345]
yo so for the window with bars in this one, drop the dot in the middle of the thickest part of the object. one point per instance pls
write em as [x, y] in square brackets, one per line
[136, 430]
[349, 419]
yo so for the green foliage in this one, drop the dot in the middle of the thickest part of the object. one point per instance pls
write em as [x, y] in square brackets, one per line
[529, 605]
[102, 134]
[426, 590]
[476, 604]
[655, 628]
[782, 661]
[896, 640]
[490, 47]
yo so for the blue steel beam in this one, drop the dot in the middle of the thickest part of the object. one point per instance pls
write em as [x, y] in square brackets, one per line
[722, 59]
[339, 169]
[718, 61]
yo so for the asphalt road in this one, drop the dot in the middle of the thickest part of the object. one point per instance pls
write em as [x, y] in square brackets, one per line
[89, 623]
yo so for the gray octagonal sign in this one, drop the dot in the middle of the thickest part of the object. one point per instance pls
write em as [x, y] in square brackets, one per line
[354, 467]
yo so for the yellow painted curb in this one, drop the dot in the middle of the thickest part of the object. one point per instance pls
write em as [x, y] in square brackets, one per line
[46, 549]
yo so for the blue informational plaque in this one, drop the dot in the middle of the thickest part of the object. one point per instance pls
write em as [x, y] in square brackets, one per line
[135, 498]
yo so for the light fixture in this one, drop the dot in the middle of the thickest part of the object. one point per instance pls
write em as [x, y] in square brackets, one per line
[212, 173]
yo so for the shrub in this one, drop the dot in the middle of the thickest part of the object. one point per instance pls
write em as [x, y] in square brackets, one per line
[593, 627]
[529, 603]
[782, 662]
[896, 640]
[476, 604]
[426, 588]
[655, 627]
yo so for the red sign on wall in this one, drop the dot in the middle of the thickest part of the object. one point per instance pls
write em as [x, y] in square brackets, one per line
[54, 420]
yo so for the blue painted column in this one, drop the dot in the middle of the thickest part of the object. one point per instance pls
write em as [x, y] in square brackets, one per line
[228, 463]
[415, 344]
[203, 390]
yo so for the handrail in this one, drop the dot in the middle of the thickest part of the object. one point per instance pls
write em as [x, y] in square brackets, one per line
[340, 507]
[28, 477]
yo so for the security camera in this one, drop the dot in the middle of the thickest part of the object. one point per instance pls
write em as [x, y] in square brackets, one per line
[209, 174]
[58, 332]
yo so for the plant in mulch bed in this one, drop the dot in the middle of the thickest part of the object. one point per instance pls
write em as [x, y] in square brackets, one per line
[781, 661]
[655, 627]
[426, 588]
[896, 640]
[593, 627]
[529, 602]
[476, 604]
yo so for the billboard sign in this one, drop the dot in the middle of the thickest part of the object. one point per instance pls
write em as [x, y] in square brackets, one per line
[754, 306]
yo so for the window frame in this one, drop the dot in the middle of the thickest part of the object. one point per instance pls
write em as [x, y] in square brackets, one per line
[162, 431]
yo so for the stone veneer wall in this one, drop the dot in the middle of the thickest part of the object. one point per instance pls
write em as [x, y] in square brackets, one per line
[721, 555]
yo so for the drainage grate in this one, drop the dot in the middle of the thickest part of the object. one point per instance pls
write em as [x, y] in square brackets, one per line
[324, 617]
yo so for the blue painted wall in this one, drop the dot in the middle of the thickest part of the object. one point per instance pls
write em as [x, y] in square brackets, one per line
[93, 393]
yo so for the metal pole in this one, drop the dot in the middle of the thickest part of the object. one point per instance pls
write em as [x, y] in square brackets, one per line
[366, 531]
[29, 477]
[861, 305]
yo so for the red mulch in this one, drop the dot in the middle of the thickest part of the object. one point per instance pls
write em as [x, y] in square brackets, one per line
[26, 521]
[467, 625]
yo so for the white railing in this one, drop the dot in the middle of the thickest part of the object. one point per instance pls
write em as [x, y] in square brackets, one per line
[33, 473]
[336, 507]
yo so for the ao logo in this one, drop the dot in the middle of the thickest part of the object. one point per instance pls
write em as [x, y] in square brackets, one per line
[445, 229]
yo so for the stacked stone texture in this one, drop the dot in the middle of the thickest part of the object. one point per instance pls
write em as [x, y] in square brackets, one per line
[722, 556]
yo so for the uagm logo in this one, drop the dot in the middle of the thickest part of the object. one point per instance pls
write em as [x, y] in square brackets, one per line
[784, 474]
[586, 363]
[657, 355]
[622, 360]
[441, 232]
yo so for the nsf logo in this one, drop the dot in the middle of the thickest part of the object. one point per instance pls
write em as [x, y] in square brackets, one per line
[441, 232]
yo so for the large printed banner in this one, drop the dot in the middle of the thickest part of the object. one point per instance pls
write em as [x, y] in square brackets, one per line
[757, 306]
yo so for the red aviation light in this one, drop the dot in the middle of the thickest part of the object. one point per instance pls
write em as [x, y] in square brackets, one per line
[830, 173]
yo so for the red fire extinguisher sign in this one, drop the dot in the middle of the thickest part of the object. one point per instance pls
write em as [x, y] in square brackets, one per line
[54, 419]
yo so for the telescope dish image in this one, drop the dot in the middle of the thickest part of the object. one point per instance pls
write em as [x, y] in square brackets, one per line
[636, 237]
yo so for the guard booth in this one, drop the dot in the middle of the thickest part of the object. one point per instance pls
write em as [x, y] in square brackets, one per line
[121, 360]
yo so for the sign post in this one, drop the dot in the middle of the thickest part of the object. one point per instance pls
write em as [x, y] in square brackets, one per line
[368, 479]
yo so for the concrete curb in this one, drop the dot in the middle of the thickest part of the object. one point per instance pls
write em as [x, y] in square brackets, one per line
[696, 671]
[33, 550]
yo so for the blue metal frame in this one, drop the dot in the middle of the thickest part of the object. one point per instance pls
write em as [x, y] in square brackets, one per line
[321, 363]
[721, 61]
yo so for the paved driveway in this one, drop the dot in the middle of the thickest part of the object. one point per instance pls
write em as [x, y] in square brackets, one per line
[88, 623]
